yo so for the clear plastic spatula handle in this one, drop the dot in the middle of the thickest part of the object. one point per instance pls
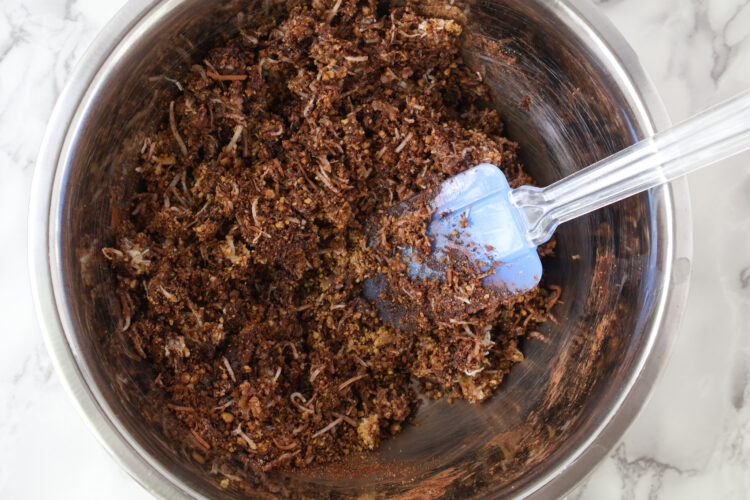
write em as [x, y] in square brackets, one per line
[711, 136]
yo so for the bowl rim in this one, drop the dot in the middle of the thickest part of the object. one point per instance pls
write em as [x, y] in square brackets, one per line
[103, 53]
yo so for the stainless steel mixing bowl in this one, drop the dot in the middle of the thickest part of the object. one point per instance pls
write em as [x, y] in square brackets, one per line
[623, 270]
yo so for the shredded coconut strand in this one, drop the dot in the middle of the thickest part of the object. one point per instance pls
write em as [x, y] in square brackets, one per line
[172, 80]
[236, 137]
[351, 381]
[175, 133]
[229, 369]
[328, 427]
[250, 442]
[404, 143]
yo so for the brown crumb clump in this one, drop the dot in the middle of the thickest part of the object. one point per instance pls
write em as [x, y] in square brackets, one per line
[525, 103]
[369, 431]
[241, 262]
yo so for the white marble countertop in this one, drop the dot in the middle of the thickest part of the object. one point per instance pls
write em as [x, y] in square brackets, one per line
[692, 440]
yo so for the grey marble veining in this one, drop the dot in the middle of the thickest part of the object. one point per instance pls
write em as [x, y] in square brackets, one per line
[692, 440]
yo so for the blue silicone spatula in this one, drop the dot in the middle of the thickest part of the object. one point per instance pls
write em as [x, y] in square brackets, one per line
[478, 214]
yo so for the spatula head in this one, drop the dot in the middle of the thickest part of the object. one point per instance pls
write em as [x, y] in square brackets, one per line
[473, 215]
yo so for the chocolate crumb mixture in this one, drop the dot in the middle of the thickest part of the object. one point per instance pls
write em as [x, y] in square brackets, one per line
[241, 264]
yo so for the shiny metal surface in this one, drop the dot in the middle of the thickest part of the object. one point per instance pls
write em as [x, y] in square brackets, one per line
[558, 412]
